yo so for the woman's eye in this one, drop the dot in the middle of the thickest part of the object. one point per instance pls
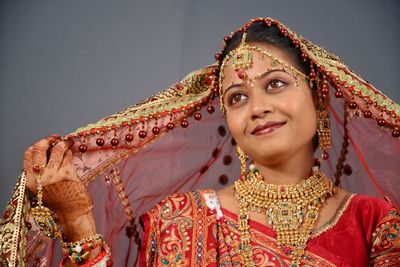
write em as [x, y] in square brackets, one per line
[275, 84]
[236, 98]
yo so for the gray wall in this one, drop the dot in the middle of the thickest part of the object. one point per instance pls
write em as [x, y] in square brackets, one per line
[64, 64]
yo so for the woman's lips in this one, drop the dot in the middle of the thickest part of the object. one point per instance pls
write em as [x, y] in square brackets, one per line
[268, 127]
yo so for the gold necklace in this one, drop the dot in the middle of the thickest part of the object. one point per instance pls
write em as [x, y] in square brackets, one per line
[291, 210]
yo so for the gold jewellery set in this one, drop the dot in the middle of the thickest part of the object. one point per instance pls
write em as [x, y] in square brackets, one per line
[291, 210]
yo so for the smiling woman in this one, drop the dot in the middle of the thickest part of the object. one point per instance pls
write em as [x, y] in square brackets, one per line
[281, 98]
[272, 111]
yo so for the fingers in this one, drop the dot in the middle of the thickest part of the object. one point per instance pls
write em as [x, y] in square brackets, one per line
[41, 149]
[36, 155]
[67, 169]
[57, 155]
[28, 165]
[51, 173]
[39, 153]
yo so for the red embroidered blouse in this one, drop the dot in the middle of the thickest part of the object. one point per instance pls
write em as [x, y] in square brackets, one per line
[190, 229]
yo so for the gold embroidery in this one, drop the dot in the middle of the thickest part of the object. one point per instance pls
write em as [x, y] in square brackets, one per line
[376, 97]
[194, 90]
[335, 218]
[13, 230]
[386, 240]
[334, 64]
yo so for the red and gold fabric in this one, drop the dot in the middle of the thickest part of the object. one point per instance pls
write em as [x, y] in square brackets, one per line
[184, 230]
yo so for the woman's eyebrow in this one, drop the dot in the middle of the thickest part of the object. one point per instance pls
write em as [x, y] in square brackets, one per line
[268, 72]
[260, 76]
[233, 85]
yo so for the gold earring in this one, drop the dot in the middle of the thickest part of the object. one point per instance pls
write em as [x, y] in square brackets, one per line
[243, 158]
[324, 131]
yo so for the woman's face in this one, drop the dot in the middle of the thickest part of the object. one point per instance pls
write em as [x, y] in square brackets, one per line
[271, 116]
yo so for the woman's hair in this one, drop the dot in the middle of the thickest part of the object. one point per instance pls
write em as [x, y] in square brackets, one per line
[259, 32]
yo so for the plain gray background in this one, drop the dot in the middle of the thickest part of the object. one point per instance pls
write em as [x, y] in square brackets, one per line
[64, 64]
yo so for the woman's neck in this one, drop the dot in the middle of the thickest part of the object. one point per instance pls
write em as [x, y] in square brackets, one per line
[289, 171]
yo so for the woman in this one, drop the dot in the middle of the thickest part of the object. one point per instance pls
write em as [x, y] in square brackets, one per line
[275, 90]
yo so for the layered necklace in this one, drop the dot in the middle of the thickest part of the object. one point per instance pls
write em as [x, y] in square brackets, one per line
[291, 210]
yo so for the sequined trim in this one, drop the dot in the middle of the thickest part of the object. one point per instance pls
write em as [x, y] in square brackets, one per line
[330, 63]
[12, 229]
[335, 218]
[194, 91]
[360, 89]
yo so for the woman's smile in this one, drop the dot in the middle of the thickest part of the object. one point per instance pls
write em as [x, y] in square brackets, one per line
[268, 127]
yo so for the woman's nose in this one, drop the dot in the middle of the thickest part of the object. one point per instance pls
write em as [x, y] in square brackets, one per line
[260, 105]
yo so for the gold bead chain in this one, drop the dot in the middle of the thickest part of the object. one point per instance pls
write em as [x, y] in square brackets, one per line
[291, 210]
[42, 215]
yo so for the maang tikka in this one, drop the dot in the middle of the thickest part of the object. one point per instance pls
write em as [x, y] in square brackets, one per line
[242, 60]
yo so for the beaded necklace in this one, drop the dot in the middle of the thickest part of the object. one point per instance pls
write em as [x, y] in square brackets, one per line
[291, 210]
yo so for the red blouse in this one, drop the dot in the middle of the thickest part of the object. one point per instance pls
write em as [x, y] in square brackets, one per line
[190, 229]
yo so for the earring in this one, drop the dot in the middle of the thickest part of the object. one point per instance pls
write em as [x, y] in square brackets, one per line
[324, 132]
[243, 158]
[323, 126]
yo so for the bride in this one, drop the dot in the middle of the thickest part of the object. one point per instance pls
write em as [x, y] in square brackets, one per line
[306, 130]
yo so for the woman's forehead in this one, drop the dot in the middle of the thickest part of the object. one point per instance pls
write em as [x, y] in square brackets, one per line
[260, 63]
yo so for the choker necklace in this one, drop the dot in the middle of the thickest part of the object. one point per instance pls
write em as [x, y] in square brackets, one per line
[291, 210]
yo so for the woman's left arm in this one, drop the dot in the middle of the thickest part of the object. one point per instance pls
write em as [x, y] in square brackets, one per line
[385, 250]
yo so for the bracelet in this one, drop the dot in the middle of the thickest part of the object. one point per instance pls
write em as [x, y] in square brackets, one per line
[79, 250]
[76, 251]
[104, 255]
[96, 260]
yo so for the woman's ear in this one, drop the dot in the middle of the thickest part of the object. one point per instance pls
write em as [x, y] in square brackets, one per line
[313, 88]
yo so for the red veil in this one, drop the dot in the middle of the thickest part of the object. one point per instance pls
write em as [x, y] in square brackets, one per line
[177, 140]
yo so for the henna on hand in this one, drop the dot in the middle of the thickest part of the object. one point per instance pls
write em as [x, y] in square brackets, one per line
[63, 191]
[79, 228]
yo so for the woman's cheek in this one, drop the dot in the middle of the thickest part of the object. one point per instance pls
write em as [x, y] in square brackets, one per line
[296, 104]
[233, 124]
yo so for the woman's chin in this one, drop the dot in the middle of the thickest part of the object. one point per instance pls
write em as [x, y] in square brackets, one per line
[269, 155]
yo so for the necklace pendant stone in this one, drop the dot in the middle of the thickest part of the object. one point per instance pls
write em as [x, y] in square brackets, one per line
[286, 250]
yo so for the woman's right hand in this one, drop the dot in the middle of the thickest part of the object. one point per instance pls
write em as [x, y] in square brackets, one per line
[63, 190]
